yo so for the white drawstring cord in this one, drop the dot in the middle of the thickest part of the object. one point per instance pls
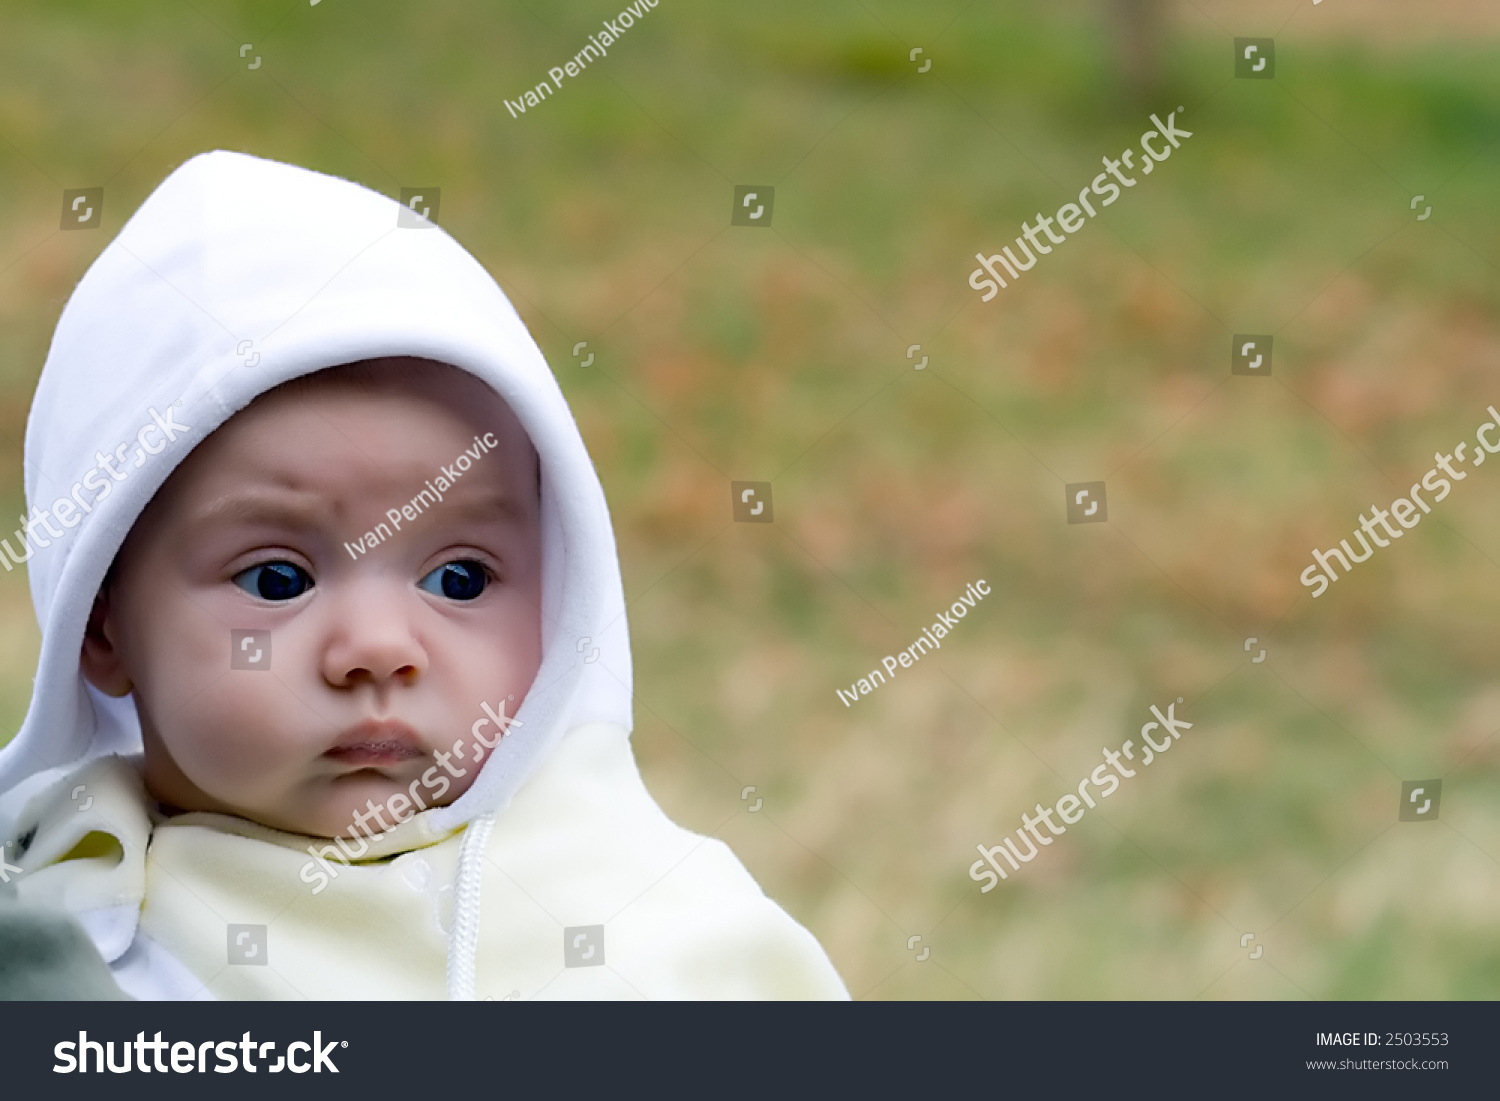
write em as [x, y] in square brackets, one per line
[463, 938]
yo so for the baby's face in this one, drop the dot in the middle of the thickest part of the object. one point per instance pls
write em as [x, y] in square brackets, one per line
[379, 659]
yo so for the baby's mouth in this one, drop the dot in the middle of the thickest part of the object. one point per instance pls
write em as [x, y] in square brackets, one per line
[377, 743]
[367, 754]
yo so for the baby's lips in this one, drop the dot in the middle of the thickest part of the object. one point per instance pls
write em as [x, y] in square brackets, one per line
[375, 753]
[378, 742]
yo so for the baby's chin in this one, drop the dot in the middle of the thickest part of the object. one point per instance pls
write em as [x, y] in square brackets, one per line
[348, 806]
[340, 809]
[352, 802]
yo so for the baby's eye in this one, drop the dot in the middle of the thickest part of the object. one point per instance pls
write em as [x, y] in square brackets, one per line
[274, 581]
[461, 580]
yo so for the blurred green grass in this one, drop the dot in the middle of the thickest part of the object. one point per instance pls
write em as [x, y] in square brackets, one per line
[780, 355]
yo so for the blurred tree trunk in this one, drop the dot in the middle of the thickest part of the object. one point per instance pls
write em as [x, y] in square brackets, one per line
[1137, 28]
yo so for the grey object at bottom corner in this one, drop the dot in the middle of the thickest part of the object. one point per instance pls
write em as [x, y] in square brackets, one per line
[45, 956]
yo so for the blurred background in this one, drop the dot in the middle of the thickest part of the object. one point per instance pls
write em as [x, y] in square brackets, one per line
[780, 354]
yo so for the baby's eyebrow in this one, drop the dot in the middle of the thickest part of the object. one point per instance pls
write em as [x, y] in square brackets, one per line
[288, 510]
[301, 511]
[484, 506]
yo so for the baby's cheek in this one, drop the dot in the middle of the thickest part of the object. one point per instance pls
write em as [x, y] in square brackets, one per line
[516, 639]
[232, 741]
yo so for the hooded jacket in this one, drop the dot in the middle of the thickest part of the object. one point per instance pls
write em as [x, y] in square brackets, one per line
[555, 874]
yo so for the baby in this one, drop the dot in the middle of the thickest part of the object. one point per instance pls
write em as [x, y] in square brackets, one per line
[334, 693]
[377, 655]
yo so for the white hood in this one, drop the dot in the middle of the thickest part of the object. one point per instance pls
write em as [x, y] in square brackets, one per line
[235, 275]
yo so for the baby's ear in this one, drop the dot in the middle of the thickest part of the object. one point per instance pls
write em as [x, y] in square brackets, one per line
[100, 658]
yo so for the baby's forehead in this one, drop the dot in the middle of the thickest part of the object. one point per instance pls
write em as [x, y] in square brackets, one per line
[391, 375]
[373, 426]
[403, 388]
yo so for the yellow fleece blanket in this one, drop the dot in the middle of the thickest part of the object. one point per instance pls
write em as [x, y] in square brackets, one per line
[588, 891]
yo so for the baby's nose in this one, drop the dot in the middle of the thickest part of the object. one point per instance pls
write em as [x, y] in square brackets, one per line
[371, 641]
